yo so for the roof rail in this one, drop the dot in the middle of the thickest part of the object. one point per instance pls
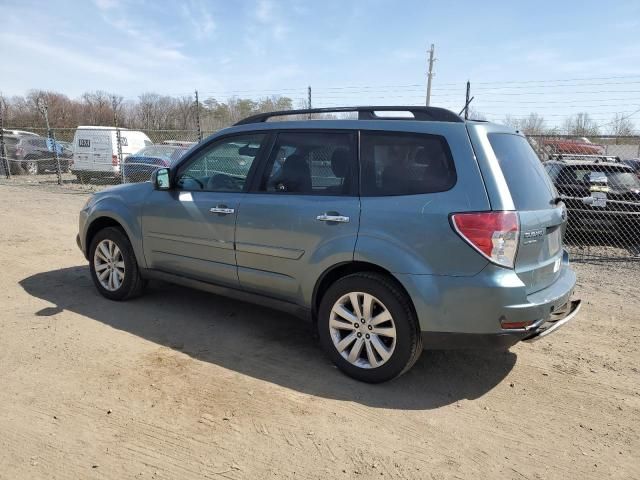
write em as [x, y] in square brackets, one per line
[568, 157]
[433, 114]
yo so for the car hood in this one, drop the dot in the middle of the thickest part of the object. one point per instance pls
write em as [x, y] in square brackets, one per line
[125, 189]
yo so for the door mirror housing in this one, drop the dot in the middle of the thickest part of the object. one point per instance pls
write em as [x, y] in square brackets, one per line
[161, 179]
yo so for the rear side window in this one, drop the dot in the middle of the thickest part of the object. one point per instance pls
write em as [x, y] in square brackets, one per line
[405, 164]
[529, 183]
[311, 163]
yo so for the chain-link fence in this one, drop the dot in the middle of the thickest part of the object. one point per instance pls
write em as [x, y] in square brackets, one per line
[90, 157]
[598, 178]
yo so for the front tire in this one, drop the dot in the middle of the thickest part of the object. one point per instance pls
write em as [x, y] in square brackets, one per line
[113, 265]
[368, 328]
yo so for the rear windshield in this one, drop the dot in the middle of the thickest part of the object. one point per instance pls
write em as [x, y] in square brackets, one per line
[529, 183]
[585, 175]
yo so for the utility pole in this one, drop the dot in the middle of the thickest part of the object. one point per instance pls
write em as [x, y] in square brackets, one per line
[3, 150]
[467, 101]
[309, 99]
[114, 104]
[198, 118]
[430, 74]
[44, 111]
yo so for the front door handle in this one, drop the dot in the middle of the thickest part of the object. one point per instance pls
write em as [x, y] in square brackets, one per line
[222, 210]
[333, 218]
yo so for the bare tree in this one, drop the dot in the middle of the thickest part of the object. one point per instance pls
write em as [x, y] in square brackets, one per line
[185, 111]
[533, 124]
[621, 126]
[150, 111]
[476, 115]
[581, 125]
[97, 108]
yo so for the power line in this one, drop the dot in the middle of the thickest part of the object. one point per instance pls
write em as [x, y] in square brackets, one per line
[627, 117]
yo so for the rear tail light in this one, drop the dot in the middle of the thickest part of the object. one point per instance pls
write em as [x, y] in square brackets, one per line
[114, 160]
[494, 234]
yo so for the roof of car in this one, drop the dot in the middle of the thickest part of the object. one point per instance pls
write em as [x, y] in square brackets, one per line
[7, 131]
[93, 127]
[368, 112]
[584, 163]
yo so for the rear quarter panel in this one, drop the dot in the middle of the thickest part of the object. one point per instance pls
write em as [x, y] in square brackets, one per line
[411, 234]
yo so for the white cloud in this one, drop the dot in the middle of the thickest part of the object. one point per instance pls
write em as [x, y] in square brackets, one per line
[106, 4]
[264, 11]
[147, 44]
[200, 19]
[267, 16]
[63, 57]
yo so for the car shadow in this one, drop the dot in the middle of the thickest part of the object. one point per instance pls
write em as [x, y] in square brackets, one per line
[265, 344]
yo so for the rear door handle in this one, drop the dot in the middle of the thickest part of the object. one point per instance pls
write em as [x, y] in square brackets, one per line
[222, 209]
[333, 218]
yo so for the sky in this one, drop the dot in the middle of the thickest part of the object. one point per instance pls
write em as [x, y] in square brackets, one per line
[553, 57]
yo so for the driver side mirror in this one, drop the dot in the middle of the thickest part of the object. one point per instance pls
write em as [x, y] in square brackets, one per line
[161, 179]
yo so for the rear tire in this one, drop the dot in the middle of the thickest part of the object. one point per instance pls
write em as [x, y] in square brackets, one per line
[113, 265]
[30, 167]
[347, 332]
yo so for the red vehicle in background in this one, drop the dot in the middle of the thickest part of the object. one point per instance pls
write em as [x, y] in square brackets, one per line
[570, 146]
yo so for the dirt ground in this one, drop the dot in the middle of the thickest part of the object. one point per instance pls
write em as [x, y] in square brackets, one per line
[182, 384]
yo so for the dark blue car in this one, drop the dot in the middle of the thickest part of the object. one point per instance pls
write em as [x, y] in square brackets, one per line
[139, 166]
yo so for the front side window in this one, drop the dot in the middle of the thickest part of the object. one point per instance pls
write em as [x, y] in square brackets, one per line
[311, 163]
[405, 164]
[222, 167]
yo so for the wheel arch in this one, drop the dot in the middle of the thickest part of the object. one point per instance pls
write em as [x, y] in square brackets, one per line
[336, 272]
[101, 223]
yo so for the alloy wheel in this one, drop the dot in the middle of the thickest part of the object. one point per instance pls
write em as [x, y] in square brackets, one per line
[362, 330]
[108, 263]
[31, 167]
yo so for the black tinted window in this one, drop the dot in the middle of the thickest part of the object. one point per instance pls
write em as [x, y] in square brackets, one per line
[405, 164]
[613, 176]
[311, 163]
[529, 184]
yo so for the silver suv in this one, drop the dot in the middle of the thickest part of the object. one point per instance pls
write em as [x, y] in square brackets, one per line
[391, 234]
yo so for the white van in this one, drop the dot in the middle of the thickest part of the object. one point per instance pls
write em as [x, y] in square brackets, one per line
[95, 151]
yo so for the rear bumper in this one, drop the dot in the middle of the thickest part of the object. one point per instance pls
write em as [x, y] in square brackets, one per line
[503, 340]
[468, 312]
[556, 320]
